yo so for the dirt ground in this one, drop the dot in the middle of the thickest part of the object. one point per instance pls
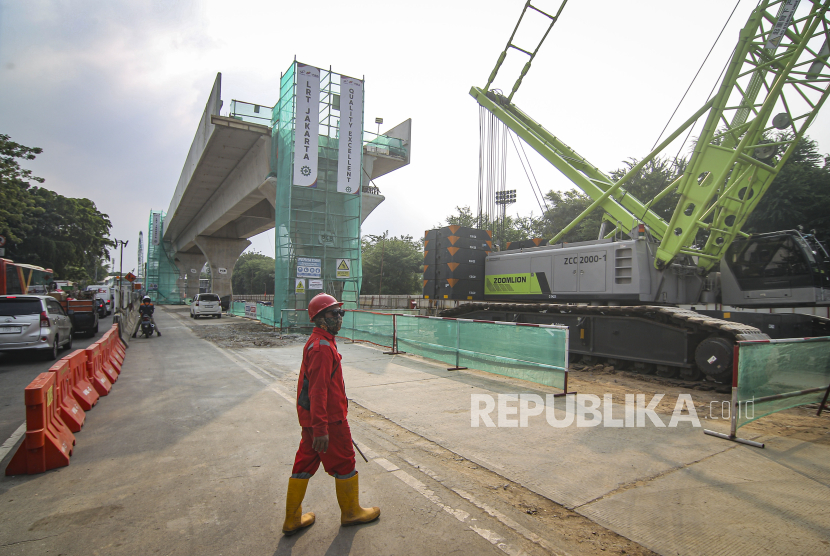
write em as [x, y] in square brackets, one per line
[573, 532]
[245, 333]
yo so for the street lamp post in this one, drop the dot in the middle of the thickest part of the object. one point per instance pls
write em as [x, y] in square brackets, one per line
[120, 272]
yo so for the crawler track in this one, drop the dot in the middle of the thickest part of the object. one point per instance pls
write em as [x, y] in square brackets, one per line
[629, 334]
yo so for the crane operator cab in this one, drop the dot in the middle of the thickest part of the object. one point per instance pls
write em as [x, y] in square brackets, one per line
[785, 268]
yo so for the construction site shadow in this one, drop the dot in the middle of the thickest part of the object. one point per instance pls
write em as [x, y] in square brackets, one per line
[341, 544]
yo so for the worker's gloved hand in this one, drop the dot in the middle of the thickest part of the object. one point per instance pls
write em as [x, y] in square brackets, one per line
[320, 443]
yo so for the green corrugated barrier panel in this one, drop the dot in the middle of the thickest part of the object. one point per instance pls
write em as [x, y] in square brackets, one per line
[534, 353]
[781, 369]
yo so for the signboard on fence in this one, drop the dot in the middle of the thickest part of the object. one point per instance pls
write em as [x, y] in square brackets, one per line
[309, 268]
[344, 268]
[315, 284]
[299, 286]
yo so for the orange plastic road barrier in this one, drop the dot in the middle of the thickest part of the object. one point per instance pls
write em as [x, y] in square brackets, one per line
[118, 347]
[82, 389]
[94, 370]
[48, 444]
[109, 341]
[106, 366]
[70, 412]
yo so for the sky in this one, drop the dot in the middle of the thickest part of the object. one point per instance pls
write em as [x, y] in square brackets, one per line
[113, 90]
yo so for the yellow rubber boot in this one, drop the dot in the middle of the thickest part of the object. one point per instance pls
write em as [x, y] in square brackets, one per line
[294, 517]
[350, 511]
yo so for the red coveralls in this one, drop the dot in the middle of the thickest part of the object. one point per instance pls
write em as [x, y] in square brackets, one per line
[322, 408]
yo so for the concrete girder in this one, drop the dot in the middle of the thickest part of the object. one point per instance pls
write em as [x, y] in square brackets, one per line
[382, 164]
[235, 162]
[222, 254]
[269, 189]
[190, 265]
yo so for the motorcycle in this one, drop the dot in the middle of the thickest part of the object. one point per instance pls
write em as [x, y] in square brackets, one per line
[147, 326]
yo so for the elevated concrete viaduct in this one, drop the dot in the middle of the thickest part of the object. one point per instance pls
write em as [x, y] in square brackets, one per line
[225, 196]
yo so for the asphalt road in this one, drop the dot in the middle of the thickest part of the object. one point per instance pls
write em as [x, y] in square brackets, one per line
[19, 368]
[191, 451]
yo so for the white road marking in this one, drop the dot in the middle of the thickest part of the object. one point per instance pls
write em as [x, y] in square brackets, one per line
[269, 373]
[526, 533]
[12, 440]
[386, 464]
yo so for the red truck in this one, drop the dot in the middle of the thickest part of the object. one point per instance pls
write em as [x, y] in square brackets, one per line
[17, 278]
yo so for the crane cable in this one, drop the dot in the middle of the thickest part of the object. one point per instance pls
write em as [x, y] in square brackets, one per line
[533, 186]
[492, 172]
[696, 75]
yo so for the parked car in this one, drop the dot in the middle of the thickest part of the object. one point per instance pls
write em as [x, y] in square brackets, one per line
[34, 322]
[101, 307]
[205, 304]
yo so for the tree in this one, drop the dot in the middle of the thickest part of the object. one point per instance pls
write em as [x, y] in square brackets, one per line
[564, 207]
[401, 259]
[799, 195]
[16, 207]
[68, 235]
[645, 184]
[253, 274]
[512, 229]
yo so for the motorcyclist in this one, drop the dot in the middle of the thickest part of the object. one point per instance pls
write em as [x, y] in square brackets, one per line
[146, 308]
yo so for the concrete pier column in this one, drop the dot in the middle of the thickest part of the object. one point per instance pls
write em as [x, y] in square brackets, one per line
[181, 285]
[221, 255]
[190, 265]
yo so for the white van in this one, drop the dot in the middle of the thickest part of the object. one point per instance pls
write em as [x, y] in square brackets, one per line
[104, 292]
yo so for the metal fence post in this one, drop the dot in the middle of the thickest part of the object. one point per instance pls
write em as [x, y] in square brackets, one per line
[457, 347]
[394, 337]
[733, 426]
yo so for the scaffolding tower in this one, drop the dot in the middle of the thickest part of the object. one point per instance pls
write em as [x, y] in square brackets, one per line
[162, 282]
[314, 223]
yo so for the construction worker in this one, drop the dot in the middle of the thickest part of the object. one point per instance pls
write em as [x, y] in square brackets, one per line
[148, 308]
[322, 409]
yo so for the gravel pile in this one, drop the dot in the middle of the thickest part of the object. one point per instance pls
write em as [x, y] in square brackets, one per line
[247, 334]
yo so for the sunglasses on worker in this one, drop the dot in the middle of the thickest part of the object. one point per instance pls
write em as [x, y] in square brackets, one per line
[336, 312]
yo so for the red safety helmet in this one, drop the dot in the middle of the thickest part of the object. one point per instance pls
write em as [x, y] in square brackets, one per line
[320, 303]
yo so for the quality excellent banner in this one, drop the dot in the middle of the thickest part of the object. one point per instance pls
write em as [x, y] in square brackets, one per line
[306, 125]
[351, 135]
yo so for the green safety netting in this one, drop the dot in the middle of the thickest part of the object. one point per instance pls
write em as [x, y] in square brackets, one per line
[313, 222]
[434, 338]
[537, 354]
[534, 353]
[371, 327]
[382, 144]
[265, 314]
[162, 282]
[780, 370]
[295, 319]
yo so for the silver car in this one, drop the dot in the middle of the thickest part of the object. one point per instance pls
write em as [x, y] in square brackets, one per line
[36, 322]
[206, 304]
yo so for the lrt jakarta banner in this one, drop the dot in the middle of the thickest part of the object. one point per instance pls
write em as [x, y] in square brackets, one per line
[306, 125]
[351, 135]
